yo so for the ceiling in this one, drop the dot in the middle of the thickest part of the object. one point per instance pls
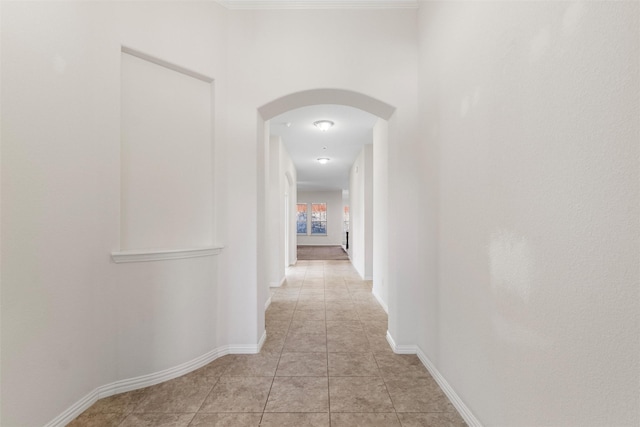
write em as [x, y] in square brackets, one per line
[305, 143]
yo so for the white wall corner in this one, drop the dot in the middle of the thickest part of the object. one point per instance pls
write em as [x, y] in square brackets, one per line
[267, 304]
[464, 411]
[381, 302]
[248, 348]
[278, 284]
[263, 338]
[401, 349]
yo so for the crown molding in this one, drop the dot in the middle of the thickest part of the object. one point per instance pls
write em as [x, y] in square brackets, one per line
[318, 4]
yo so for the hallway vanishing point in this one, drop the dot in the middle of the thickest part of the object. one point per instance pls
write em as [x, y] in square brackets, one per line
[325, 362]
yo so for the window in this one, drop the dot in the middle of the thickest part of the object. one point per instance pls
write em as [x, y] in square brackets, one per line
[318, 218]
[301, 218]
[345, 219]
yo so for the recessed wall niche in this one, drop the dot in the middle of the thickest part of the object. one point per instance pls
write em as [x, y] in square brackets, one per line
[166, 155]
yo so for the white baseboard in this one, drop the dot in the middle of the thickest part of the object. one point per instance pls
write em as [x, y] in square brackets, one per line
[263, 338]
[401, 349]
[278, 284]
[267, 304]
[380, 301]
[463, 409]
[142, 381]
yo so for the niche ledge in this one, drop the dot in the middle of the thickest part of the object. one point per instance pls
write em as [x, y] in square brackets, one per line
[146, 255]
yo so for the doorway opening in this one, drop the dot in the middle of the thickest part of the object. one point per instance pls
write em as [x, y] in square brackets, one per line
[281, 236]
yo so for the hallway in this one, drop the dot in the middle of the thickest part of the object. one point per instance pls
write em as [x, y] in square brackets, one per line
[325, 362]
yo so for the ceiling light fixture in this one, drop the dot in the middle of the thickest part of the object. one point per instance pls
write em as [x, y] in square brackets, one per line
[323, 125]
[323, 160]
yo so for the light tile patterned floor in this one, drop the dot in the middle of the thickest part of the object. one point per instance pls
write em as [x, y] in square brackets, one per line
[325, 362]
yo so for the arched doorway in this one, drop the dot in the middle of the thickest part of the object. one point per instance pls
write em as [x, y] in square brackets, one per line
[265, 234]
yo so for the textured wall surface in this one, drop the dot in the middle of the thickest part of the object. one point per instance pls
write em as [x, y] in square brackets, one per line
[532, 112]
[72, 320]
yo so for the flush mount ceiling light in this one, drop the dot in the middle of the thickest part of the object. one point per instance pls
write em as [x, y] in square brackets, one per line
[323, 125]
[323, 160]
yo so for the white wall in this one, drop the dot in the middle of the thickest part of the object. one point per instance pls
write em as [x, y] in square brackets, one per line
[166, 156]
[69, 315]
[530, 115]
[380, 187]
[280, 167]
[377, 61]
[361, 213]
[333, 199]
[71, 319]
[288, 184]
[275, 218]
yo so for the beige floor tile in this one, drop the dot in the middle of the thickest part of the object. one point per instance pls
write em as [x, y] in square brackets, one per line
[401, 365]
[313, 278]
[219, 366]
[309, 314]
[307, 343]
[238, 394]
[122, 403]
[226, 420]
[309, 297]
[314, 271]
[284, 297]
[98, 420]
[302, 365]
[412, 394]
[337, 294]
[359, 394]
[273, 344]
[277, 326]
[375, 329]
[337, 327]
[347, 342]
[308, 327]
[340, 305]
[278, 315]
[295, 420]
[367, 315]
[364, 420]
[379, 345]
[279, 306]
[157, 420]
[334, 281]
[352, 365]
[173, 397]
[341, 314]
[298, 394]
[253, 365]
[365, 299]
[435, 419]
[199, 378]
[314, 304]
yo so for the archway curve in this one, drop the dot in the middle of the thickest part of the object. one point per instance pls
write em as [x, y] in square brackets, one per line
[267, 112]
[326, 96]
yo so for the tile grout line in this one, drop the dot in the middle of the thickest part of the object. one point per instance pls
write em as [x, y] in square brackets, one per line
[280, 356]
[326, 331]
